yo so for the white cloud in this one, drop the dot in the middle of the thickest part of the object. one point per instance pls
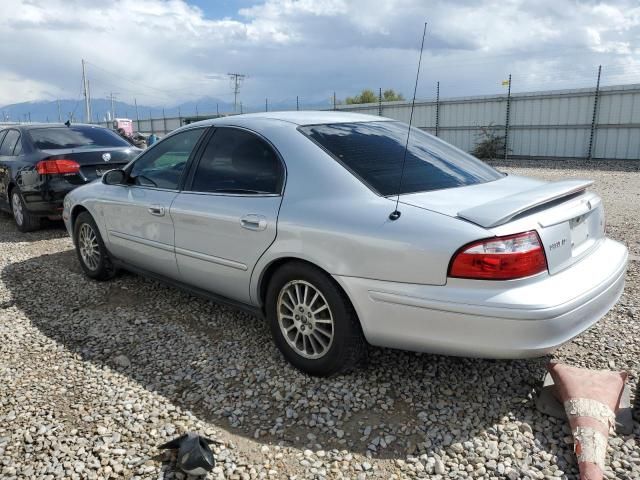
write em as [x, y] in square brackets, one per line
[161, 51]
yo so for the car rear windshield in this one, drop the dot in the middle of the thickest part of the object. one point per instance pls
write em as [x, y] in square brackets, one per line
[374, 152]
[54, 138]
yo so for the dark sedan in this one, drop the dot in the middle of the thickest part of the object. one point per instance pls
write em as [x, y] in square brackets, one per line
[41, 163]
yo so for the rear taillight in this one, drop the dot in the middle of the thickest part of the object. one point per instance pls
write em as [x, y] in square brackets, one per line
[500, 258]
[57, 167]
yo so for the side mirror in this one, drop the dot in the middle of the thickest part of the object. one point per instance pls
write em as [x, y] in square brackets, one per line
[114, 177]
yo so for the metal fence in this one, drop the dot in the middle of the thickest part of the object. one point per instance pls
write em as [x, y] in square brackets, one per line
[601, 123]
[551, 124]
[159, 126]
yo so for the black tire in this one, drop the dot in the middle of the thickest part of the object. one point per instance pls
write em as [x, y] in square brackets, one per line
[102, 268]
[25, 221]
[346, 349]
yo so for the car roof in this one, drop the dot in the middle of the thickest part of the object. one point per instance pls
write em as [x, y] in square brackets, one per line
[297, 118]
[32, 126]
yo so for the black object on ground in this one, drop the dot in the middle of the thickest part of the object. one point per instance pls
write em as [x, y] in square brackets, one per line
[194, 455]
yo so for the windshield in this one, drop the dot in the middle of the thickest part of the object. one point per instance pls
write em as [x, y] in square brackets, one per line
[374, 151]
[53, 138]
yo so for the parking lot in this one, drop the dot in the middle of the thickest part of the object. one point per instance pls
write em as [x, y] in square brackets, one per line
[95, 375]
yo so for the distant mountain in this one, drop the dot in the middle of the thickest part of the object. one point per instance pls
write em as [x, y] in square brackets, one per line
[47, 111]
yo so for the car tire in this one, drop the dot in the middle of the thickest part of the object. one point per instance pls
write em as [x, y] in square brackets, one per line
[92, 254]
[312, 321]
[25, 221]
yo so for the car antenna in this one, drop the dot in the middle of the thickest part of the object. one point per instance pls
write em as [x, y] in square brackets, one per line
[396, 213]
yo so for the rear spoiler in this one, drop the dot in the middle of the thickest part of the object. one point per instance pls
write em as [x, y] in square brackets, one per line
[502, 210]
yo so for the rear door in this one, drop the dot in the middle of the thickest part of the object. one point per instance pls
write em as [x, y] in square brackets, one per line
[226, 217]
[139, 226]
[10, 146]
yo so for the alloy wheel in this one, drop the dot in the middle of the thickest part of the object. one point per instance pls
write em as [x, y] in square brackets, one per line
[89, 248]
[16, 204]
[305, 319]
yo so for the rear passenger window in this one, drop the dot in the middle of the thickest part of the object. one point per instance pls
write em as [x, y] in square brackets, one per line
[9, 142]
[236, 161]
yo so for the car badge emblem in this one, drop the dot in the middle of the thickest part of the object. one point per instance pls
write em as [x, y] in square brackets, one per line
[106, 157]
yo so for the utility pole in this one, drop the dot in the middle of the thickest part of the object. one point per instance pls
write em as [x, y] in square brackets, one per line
[113, 109]
[217, 109]
[236, 79]
[334, 100]
[135, 102]
[87, 111]
[297, 103]
[266, 104]
[59, 112]
[89, 95]
[380, 102]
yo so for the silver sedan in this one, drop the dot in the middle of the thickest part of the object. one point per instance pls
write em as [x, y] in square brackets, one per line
[322, 223]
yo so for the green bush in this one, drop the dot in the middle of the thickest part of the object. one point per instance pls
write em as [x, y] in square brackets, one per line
[490, 144]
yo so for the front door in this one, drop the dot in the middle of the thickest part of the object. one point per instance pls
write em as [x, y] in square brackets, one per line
[226, 216]
[139, 225]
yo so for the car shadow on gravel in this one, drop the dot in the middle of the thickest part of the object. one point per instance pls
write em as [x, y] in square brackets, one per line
[223, 366]
[10, 234]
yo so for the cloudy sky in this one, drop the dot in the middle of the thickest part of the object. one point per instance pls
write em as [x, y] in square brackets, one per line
[163, 52]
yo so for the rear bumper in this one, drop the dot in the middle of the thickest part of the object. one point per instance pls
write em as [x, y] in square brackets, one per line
[45, 204]
[45, 209]
[511, 319]
[46, 199]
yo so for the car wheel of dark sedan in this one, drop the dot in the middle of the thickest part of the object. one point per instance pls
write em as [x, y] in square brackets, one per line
[312, 321]
[25, 221]
[93, 255]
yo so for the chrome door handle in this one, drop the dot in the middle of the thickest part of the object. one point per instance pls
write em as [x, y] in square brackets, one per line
[253, 222]
[157, 210]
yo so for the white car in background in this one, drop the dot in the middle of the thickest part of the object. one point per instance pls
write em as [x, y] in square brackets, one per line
[288, 216]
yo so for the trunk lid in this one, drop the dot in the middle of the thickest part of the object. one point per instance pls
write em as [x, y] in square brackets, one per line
[501, 210]
[94, 162]
[568, 219]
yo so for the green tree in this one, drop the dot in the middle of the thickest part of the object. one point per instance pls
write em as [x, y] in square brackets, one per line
[390, 95]
[366, 96]
[369, 96]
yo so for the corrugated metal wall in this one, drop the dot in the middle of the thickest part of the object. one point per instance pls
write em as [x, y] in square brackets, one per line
[542, 124]
[159, 126]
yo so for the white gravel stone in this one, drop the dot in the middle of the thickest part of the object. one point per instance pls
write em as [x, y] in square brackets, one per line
[96, 375]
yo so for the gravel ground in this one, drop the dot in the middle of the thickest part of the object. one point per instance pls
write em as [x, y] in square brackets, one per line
[95, 375]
